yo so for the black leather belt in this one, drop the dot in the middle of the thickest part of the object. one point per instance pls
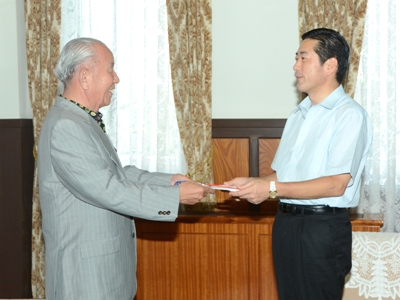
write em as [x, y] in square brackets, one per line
[310, 209]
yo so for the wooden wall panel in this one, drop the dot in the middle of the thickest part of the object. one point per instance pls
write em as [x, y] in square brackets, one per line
[268, 149]
[231, 159]
[244, 147]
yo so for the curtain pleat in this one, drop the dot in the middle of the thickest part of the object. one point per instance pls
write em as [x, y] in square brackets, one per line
[189, 30]
[43, 21]
[378, 90]
[345, 16]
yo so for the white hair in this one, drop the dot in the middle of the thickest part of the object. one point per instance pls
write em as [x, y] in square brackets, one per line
[74, 53]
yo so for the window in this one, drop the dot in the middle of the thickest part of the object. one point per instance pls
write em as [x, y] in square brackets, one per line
[141, 120]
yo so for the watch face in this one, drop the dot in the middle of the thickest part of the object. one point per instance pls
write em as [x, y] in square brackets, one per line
[273, 194]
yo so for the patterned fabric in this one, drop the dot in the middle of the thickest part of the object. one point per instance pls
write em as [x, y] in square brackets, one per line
[97, 116]
[43, 21]
[376, 266]
[190, 53]
[347, 17]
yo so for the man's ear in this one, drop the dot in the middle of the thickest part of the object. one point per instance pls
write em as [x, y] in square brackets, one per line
[83, 77]
[331, 66]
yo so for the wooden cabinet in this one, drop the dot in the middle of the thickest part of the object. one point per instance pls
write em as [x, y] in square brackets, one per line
[197, 260]
[212, 256]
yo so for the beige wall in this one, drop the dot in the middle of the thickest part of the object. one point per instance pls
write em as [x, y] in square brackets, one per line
[254, 42]
[254, 46]
[14, 99]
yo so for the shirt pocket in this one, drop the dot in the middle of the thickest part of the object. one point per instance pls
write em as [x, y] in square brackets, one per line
[101, 247]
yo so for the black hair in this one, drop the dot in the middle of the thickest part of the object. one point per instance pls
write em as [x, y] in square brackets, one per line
[330, 44]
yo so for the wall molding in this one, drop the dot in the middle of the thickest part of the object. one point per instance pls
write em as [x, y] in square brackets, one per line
[246, 128]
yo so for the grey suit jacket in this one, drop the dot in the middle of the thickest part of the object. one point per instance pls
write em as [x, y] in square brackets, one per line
[88, 200]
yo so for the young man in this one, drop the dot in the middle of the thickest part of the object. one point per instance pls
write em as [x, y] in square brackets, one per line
[87, 198]
[317, 176]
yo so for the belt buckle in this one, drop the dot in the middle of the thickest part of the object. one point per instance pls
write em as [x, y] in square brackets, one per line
[287, 208]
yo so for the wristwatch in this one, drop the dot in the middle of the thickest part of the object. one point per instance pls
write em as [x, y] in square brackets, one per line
[272, 190]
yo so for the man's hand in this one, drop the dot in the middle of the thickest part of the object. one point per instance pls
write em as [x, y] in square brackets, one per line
[253, 189]
[192, 192]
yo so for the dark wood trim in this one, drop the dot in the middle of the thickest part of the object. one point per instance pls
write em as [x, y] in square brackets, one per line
[254, 163]
[16, 123]
[245, 128]
[254, 154]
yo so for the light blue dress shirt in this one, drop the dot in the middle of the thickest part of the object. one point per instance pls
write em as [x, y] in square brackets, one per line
[330, 138]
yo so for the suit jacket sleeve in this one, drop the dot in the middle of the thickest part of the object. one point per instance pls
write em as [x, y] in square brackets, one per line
[142, 176]
[84, 163]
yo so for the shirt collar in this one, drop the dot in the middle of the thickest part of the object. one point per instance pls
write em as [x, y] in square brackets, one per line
[97, 116]
[329, 102]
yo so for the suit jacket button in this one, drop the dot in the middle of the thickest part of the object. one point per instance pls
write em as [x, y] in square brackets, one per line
[168, 212]
[160, 212]
[133, 234]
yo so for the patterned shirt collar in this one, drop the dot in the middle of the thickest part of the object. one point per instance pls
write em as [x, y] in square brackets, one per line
[97, 116]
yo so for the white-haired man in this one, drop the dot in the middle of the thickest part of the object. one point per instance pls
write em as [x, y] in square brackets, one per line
[87, 198]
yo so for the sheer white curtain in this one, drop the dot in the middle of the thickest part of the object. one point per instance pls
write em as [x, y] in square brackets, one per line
[141, 119]
[378, 90]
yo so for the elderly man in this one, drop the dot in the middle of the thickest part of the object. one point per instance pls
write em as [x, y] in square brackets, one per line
[87, 198]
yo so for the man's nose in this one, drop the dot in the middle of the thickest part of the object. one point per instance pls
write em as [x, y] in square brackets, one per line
[296, 65]
[116, 78]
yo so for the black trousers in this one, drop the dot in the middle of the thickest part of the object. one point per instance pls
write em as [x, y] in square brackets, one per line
[312, 255]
